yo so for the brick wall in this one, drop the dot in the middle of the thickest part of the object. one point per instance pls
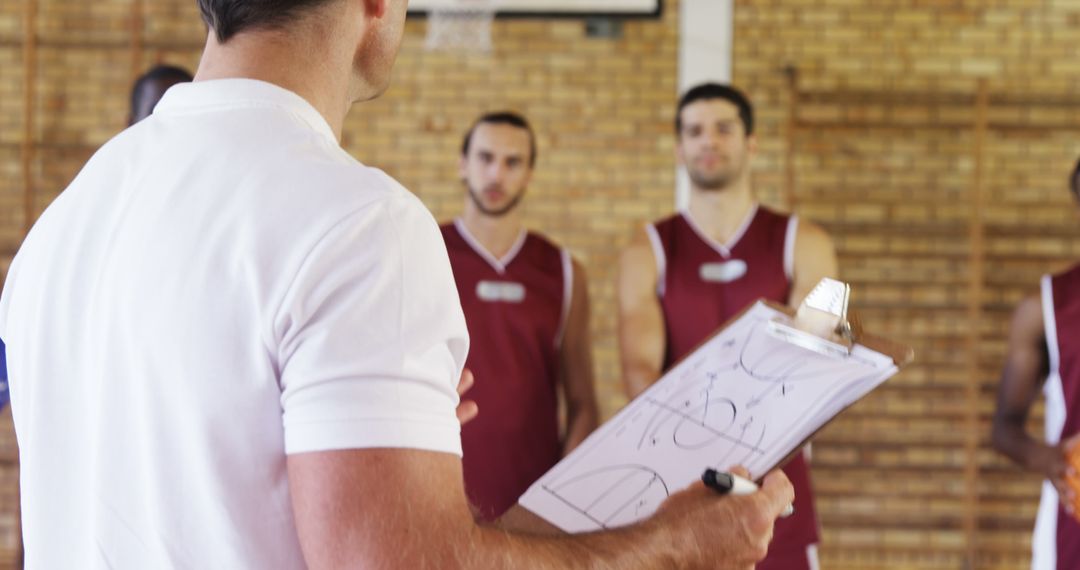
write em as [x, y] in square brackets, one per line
[882, 152]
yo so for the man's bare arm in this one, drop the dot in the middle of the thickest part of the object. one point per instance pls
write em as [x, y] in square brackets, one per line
[400, 508]
[815, 259]
[576, 366]
[1026, 366]
[642, 339]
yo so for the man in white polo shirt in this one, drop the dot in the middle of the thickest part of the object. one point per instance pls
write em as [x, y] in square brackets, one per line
[237, 347]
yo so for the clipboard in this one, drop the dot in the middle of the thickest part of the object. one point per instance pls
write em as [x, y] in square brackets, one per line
[824, 323]
[774, 378]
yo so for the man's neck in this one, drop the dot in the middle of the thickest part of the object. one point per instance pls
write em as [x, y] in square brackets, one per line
[497, 235]
[721, 212]
[304, 66]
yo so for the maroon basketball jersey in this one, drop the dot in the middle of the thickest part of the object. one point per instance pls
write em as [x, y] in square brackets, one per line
[515, 309]
[701, 285]
[1057, 535]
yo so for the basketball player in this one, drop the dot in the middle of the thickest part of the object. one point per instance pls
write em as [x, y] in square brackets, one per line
[527, 309]
[686, 275]
[150, 87]
[1044, 351]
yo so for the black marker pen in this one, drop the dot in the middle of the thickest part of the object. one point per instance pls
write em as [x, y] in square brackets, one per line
[731, 484]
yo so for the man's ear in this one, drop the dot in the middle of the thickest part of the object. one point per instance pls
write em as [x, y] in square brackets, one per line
[463, 167]
[376, 8]
[751, 145]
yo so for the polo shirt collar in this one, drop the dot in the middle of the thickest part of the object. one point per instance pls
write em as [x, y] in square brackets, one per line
[240, 93]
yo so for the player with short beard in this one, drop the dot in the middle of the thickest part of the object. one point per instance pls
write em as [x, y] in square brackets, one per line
[688, 274]
[526, 305]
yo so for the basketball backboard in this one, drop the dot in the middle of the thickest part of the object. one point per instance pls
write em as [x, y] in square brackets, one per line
[542, 8]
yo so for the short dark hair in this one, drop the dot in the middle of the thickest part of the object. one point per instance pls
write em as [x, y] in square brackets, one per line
[164, 73]
[150, 87]
[1074, 181]
[230, 17]
[502, 118]
[728, 93]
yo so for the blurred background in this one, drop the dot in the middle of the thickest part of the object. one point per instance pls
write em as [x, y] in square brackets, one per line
[932, 138]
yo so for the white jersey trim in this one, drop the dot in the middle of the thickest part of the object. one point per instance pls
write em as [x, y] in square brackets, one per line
[499, 265]
[1054, 392]
[723, 249]
[658, 255]
[789, 246]
[812, 557]
[568, 295]
[1044, 539]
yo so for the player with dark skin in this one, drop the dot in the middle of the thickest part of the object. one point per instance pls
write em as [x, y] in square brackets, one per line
[1026, 369]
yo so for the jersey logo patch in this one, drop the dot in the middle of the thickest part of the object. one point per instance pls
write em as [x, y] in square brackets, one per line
[722, 272]
[500, 291]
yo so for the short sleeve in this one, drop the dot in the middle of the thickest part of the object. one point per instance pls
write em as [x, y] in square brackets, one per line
[371, 336]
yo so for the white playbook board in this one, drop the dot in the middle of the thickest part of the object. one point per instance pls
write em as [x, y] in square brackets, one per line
[744, 397]
[540, 8]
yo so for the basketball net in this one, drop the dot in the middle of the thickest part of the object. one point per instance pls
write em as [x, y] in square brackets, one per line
[460, 25]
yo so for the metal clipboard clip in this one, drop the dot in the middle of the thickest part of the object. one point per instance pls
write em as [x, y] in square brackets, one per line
[821, 322]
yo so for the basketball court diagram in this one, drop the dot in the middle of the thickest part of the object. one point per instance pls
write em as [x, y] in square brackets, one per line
[743, 398]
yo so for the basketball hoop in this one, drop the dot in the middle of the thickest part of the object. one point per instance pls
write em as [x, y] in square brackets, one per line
[460, 25]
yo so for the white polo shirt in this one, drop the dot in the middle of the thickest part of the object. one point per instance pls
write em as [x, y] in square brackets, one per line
[221, 285]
